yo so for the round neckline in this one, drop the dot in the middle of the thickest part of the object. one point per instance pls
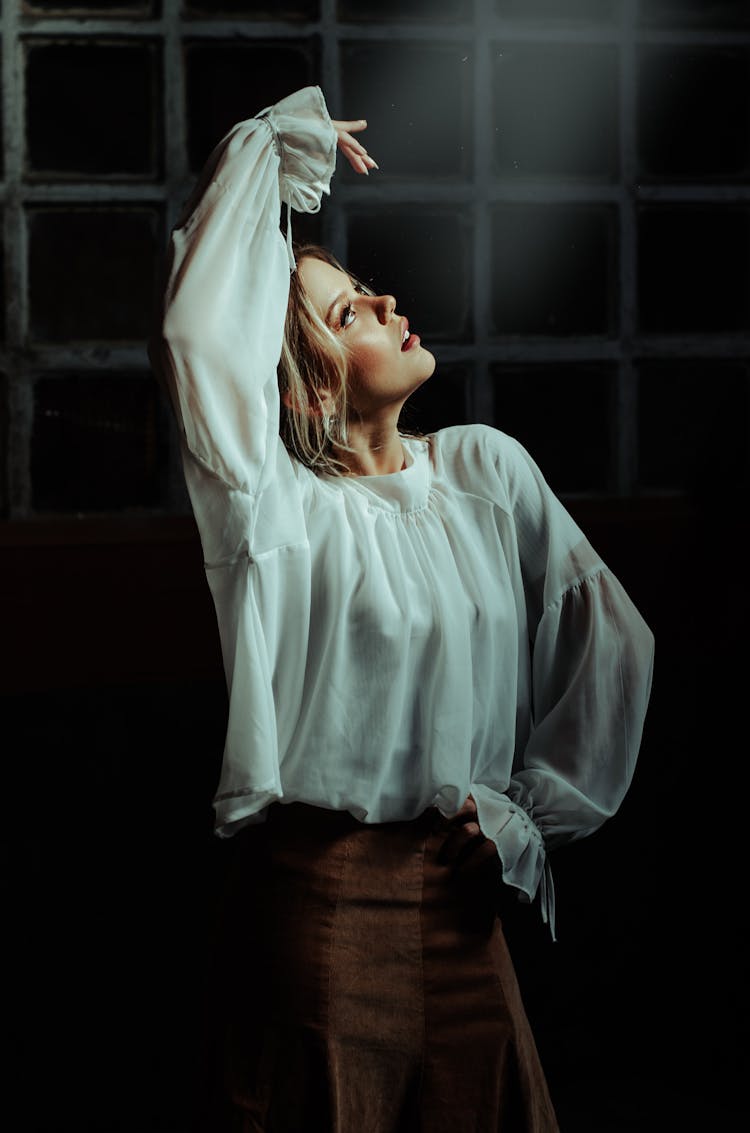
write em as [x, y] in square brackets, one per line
[402, 491]
[409, 460]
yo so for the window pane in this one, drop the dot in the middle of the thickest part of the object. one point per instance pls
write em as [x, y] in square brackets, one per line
[255, 9]
[2, 132]
[690, 13]
[422, 257]
[566, 124]
[4, 421]
[694, 269]
[560, 413]
[439, 402]
[552, 9]
[3, 306]
[307, 227]
[554, 269]
[693, 427]
[227, 83]
[694, 112]
[93, 7]
[92, 273]
[96, 444]
[417, 100]
[92, 109]
[405, 10]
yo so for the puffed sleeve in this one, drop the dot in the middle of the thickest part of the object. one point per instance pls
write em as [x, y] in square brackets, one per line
[591, 670]
[227, 287]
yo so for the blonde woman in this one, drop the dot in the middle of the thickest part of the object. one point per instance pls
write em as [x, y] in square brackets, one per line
[433, 678]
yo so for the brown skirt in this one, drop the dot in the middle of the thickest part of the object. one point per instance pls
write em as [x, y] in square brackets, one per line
[368, 987]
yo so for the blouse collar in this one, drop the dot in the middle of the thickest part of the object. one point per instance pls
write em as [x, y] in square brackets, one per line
[402, 491]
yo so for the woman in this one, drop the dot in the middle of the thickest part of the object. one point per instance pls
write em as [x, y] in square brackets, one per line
[433, 678]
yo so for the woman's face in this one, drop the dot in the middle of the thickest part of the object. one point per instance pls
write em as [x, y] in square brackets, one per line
[386, 363]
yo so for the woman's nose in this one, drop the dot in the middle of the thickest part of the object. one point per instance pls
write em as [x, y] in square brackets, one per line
[386, 307]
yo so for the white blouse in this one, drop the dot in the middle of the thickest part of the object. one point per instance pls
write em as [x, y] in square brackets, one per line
[394, 642]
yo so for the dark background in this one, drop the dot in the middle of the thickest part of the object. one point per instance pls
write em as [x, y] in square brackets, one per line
[113, 701]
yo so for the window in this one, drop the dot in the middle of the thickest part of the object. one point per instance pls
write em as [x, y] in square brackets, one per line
[562, 209]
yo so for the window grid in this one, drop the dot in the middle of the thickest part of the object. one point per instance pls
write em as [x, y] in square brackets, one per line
[483, 190]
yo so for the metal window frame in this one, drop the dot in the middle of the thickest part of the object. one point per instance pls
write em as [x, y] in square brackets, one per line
[482, 190]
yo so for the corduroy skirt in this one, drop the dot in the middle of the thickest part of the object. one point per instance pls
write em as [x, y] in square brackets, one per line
[368, 986]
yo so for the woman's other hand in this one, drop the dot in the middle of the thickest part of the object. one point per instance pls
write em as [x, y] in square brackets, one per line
[354, 152]
[465, 846]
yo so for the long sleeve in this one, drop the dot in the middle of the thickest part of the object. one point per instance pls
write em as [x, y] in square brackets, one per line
[217, 353]
[228, 283]
[591, 670]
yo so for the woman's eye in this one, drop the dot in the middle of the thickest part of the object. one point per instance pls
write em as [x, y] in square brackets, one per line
[347, 315]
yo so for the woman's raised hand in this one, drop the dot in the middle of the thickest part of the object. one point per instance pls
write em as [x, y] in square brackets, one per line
[354, 152]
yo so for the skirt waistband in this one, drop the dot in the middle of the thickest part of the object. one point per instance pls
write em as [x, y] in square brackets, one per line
[320, 820]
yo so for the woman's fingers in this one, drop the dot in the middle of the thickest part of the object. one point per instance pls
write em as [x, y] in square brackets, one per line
[467, 812]
[346, 140]
[465, 846]
[351, 127]
[360, 162]
[354, 152]
[464, 838]
[478, 858]
[464, 831]
[357, 161]
[469, 852]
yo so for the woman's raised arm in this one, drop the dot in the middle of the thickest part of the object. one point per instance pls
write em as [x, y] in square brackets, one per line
[219, 339]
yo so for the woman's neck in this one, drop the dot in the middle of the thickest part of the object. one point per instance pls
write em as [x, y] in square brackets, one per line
[378, 450]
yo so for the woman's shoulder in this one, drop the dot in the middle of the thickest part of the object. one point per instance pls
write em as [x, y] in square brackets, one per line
[475, 450]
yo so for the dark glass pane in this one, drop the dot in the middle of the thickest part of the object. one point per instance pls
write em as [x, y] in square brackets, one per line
[558, 10]
[2, 131]
[560, 414]
[555, 110]
[554, 269]
[405, 10]
[422, 257]
[694, 112]
[307, 227]
[439, 402]
[703, 13]
[92, 274]
[92, 7]
[95, 444]
[693, 427]
[3, 307]
[4, 421]
[417, 101]
[694, 268]
[228, 83]
[255, 9]
[92, 109]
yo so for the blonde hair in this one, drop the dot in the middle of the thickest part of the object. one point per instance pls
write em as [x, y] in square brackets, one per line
[314, 361]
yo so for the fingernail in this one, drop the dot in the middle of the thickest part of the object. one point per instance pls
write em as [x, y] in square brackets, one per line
[375, 164]
[363, 121]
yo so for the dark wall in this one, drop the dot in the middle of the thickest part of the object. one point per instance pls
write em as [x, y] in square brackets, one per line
[113, 718]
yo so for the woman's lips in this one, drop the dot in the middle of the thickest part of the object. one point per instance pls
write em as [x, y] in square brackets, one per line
[408, 341]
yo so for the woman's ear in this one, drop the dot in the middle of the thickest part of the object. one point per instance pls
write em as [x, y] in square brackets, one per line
[321, 404]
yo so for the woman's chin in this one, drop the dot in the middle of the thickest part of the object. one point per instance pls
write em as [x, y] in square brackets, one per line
[429, 362]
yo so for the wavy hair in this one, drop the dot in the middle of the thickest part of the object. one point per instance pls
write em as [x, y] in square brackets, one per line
[313, 362]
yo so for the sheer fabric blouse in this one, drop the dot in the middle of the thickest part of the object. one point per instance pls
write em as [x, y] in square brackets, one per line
[395, 642]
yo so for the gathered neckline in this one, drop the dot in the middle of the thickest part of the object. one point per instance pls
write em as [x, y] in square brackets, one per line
[404, 490]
